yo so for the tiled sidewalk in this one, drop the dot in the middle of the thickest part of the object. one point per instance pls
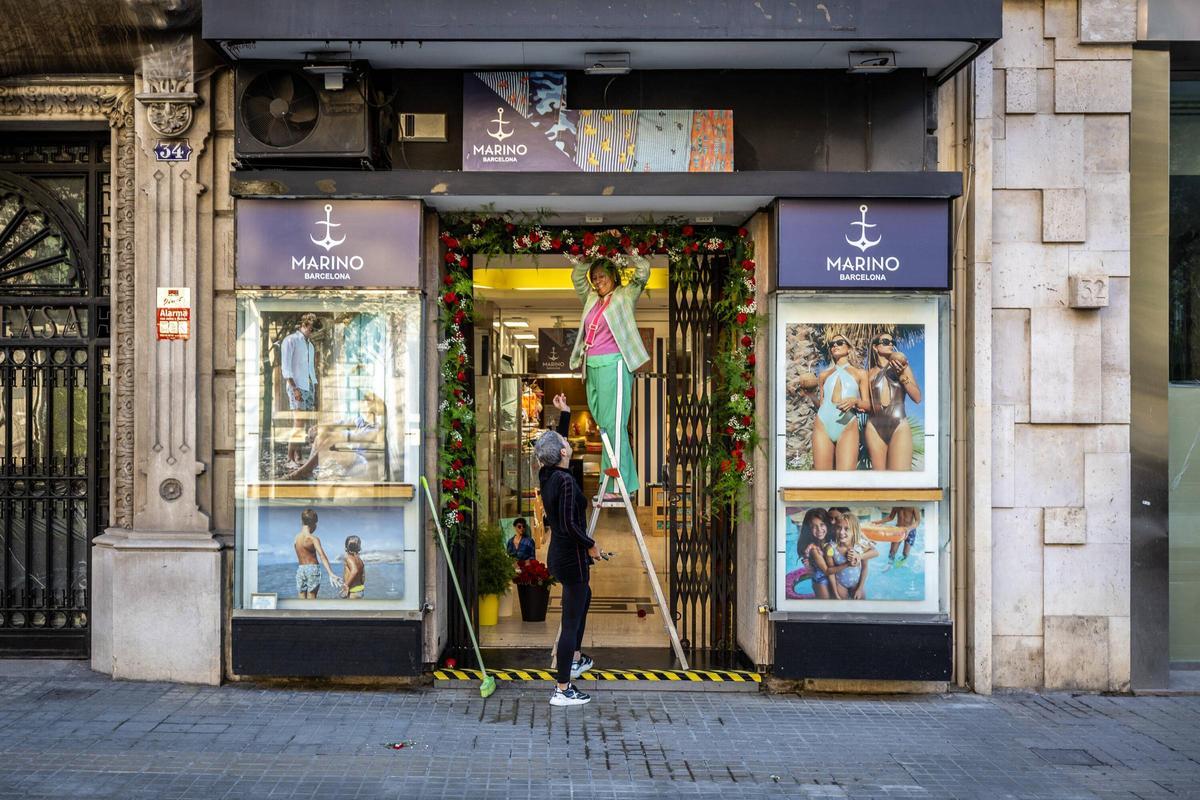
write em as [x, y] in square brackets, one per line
[68, 733]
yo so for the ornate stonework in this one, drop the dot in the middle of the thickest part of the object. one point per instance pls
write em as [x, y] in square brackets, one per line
[113, 103]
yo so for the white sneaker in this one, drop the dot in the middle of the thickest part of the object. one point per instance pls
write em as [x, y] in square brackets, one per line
[581, 666]
[569, 697]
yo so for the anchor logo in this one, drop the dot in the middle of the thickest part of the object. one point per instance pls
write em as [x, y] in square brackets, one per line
[500, 134]
[328, 242]
[862, 242]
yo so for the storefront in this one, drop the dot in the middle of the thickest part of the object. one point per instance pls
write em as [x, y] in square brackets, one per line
[725, 410]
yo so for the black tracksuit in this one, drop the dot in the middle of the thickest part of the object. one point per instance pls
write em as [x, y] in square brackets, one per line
[567, 557]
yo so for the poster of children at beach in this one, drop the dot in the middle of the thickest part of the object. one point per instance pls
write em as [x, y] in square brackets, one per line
[310, 551]
[845, 557]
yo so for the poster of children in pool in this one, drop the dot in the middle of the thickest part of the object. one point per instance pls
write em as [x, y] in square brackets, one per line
[859, 557]
[860, 402]
[344, 554]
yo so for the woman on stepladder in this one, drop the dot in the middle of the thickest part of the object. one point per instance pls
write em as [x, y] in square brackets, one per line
[608, 350]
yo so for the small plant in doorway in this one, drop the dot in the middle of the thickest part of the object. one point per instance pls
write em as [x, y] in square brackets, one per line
[495, 573]
[533, 580]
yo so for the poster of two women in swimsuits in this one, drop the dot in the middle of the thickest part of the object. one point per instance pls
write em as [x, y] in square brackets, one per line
[860, 400]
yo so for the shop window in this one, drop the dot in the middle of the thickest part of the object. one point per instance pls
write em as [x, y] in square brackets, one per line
[862, 455]
[328, 450]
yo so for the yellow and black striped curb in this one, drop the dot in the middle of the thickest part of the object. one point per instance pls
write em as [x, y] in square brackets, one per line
[668, 675]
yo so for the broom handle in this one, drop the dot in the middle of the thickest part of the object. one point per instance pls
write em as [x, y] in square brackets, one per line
[453, 576]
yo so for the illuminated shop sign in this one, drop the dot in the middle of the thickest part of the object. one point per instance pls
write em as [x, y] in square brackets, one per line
[328, 243]
[864, 244]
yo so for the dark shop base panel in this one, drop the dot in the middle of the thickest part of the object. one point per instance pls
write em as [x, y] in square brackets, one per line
[326, 647]
[908, 651]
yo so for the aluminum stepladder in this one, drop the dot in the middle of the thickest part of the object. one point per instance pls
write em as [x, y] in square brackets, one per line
[614, 473]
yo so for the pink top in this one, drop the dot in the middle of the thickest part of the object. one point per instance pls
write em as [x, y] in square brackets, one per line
[603, 342]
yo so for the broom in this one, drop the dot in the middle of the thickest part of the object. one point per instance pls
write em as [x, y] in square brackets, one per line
[488, 685]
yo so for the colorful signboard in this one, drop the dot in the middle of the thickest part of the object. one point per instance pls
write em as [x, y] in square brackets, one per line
[329, 243]
[864, 244]
[519, 122]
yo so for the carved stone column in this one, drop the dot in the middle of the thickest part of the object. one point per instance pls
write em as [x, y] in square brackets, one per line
[161, 580]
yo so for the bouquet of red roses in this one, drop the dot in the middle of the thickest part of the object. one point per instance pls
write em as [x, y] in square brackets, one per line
[533, 573]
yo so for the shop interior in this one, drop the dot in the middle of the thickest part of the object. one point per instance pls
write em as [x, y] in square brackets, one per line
[528, 315]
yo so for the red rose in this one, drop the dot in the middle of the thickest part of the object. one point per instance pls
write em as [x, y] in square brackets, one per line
[456, 424]
[534, 238]
[747, 341]
[556, 244]
[457, 463]
[462, 260]
[749, 393]
[459, 317]
[449, 298]
[451, 504]
[750, 359]
[720, 244]
[729, 430]
[449, 279]
[625, 241]
[509, 227]
[461, 358]
[447, 484]
[643, 248]
[575, 250]
[746, 419]
[462, 376]
[741, 318]
[747, 265]
[460, 483]
[741, 465]
[688, 230]
[458, 392]
[456, 445]
[725, 465]
[589, 239]
[451, 256]
[743, 233]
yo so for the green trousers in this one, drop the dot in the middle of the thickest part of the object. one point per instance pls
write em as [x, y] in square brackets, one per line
[609, 392]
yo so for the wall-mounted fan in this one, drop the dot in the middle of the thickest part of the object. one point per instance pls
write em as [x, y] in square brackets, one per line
[280, 108]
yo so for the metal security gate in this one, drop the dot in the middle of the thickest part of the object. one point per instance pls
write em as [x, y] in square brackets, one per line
[701, 549]
[54, 366]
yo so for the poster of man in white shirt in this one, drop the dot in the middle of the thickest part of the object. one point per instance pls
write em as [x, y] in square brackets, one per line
[297, 362]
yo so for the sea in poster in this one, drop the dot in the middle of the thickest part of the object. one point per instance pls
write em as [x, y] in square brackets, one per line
[889, 542]
[379, 528]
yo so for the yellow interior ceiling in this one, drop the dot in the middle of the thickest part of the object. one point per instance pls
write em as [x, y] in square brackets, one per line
[544, 279]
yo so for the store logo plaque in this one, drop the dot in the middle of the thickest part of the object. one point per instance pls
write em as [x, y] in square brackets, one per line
[328, 243]
[864, 244]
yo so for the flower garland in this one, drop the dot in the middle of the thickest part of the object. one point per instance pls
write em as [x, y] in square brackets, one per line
[733, 392]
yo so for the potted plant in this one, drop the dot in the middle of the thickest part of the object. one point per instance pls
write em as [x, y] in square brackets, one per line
[533, 582]
[494, 572]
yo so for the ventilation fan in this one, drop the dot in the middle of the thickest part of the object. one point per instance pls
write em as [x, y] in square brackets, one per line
[285, 113]
[280, 108]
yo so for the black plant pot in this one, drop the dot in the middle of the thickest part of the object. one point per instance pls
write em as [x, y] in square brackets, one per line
[534, 600]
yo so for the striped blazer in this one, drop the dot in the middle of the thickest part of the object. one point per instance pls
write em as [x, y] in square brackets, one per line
[620, 312]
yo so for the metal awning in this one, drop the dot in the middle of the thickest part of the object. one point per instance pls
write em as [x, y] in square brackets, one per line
[620, 198]
[938, 36]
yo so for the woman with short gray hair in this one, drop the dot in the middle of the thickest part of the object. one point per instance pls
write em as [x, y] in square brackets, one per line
[569, 556]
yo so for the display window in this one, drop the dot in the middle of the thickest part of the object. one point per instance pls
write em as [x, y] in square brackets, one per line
[861, 453]
[328, 449]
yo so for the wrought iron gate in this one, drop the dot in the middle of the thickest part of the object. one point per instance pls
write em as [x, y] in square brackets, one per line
[701, 550]
[54, 354]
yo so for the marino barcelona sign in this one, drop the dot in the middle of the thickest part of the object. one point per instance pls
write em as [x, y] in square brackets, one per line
[328, 243]
[864, 244]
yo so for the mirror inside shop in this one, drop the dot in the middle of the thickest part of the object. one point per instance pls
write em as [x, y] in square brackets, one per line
[529, 316]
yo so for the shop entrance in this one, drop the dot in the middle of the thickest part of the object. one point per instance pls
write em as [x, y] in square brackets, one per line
[528, 315]
[54, 364]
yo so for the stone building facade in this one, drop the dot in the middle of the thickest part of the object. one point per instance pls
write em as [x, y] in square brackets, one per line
[1040, 128]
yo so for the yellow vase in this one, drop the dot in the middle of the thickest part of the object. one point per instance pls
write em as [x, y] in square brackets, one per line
[489, 609]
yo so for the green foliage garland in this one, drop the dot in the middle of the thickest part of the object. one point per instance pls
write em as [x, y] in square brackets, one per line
[733, 393]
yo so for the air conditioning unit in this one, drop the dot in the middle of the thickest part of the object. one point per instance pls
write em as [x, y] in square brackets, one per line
[284, 112]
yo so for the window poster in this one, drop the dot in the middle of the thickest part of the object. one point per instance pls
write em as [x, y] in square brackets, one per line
[858, 405]
[858, 557]
[328, 437]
